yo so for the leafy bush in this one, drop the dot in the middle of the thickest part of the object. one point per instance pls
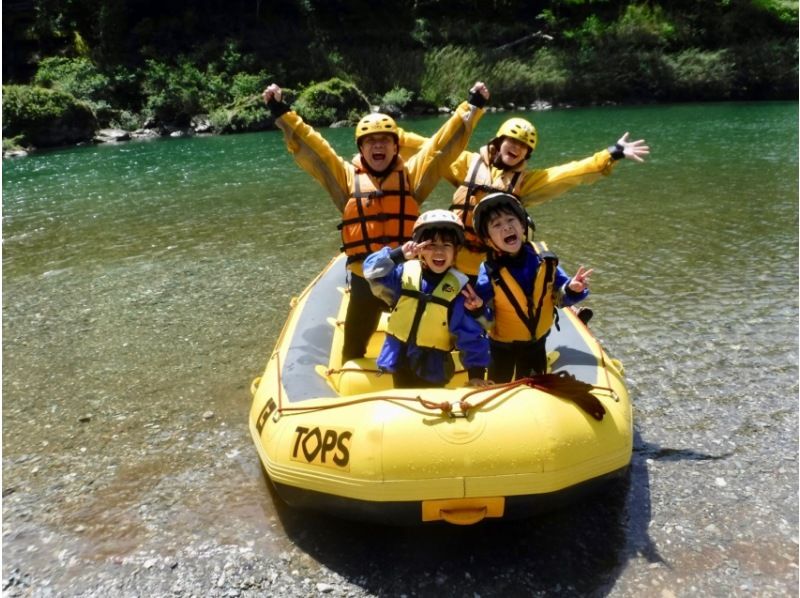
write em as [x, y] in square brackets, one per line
[449, 73]
[331, 101]
[549, 75]
[396, 101]
[374, 70]
[643, 25]
[698, 74]
[45, 117]
[174, 93]
[521, 82]
[13, 144]
[248, 114]
[245, 85]
[76, 76]
[125, 119]
[766, 70]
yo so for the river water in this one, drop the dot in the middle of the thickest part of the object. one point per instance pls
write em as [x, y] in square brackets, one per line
[144, 285]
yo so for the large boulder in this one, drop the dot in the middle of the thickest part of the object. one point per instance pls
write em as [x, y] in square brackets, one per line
[45, 117]
[331, 101]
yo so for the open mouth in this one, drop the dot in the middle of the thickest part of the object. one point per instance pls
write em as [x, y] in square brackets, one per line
[438, 262]
[378, 156]
[511, 239]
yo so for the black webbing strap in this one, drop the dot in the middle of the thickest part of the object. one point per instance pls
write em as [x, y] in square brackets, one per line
[422, 301]
[360, 206]
[401, 222]
[548, 276]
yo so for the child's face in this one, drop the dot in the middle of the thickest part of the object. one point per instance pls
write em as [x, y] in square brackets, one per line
[438, 255]
[506, 232]
[378, 149]
[512, 152]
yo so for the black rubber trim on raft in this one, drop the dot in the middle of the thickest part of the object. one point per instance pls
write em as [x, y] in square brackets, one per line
[311, 343]
[410, 512]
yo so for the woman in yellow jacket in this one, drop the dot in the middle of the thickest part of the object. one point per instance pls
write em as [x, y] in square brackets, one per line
[378, 192]
[501, 166]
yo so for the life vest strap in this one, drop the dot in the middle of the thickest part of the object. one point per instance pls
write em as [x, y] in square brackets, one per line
[382, 241]
[423, 298]
[382, 217]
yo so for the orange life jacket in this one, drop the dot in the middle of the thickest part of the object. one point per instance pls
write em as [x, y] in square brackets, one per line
[516, 316]
[376, 216]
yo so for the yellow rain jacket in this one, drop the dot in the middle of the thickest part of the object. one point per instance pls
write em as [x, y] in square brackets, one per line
[473, 176]
[423, 170]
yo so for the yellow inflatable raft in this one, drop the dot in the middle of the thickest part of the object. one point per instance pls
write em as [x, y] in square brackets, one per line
[337, 437]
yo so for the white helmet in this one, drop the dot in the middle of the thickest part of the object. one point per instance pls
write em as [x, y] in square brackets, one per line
[438, 219]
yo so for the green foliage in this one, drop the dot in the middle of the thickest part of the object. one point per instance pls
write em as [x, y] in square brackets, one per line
[245, 85]
[76, 76]
[331, 101]
[174, 93]
[45, 117]
[785, 10]
[643, 25]
[247, 114]
[80, 46]
[766, 70]
[704, 75]
[522, 81]
[398, 97]
[449, 73]
[12, 144]
[125, 119]
[116, 56]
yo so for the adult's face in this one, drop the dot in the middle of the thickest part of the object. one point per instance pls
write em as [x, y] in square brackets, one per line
[378, 150]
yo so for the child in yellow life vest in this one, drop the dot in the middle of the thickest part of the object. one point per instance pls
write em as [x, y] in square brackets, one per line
[522, 284]
[378, 192]
[432, 304]
[502, 166]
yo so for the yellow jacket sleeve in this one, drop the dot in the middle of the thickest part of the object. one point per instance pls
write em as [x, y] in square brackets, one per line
[458, 171]
[315, 155]
[540, 186]
[432, 161]
[409, 142]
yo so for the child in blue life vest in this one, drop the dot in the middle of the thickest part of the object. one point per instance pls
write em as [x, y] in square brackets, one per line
[432, 304]
[522, 284]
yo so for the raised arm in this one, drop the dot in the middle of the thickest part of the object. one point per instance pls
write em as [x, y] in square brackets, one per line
[433, 159]
[543, 185]
[310, 150]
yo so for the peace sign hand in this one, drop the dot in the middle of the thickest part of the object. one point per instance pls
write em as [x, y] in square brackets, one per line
[471, 299]
[412, 249]
[580, 281]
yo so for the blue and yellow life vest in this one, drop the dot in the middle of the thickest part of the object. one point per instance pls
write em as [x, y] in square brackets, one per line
[422, 318]
[519, 317]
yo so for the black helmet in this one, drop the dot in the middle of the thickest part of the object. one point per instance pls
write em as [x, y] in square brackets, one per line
[494, 201]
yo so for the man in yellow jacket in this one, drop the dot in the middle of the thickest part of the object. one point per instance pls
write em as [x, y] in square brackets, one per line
[501, 166]
[378, 192]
